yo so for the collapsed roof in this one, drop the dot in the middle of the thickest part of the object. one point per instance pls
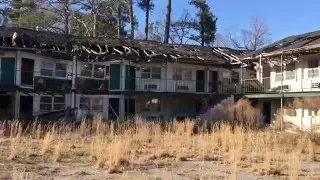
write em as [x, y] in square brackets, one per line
[297, 44]
[105, 48]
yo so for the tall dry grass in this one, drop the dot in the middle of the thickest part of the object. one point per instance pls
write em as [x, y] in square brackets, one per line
[122, 146]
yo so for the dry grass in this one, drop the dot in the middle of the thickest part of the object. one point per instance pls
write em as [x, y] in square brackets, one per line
[119, 147]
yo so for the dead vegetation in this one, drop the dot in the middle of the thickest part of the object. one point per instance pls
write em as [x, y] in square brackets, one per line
[119, 148]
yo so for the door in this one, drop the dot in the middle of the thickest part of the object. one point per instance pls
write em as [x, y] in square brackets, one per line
[7, 71]
[27, 66]
[26, 107]
[130, 107]
[267, 112]
[130, 78]
[114, 108]
[200, 81]
[214, 79]
[115, 76]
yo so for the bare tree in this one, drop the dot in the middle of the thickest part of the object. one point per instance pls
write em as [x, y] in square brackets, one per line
[253, 38]
[168, 22]
[180, 30]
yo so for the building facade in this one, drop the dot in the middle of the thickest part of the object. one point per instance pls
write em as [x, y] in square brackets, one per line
[38, 76]
[286, 70]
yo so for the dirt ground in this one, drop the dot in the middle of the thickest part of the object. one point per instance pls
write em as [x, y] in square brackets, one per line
[35, 166]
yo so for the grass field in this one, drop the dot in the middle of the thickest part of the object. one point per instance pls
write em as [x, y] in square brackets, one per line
[148, 150]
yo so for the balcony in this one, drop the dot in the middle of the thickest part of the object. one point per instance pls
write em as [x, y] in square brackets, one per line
[309, 81]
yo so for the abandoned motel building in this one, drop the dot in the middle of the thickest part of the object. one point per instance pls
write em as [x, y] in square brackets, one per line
[43, 72]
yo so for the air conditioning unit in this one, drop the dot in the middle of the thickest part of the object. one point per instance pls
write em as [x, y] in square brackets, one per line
[150, 86]
[315, 85]
[183, 88]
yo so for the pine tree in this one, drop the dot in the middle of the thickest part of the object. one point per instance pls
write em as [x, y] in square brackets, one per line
[205, 23]
[168, 22]
[147, 6]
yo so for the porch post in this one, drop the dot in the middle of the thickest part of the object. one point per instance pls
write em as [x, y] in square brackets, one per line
[281, 106]
[74, 77]
[16, 99]
[122, 108]
[261, 69]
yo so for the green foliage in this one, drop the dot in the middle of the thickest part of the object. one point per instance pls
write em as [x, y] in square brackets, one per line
[205, 25]
[145, 5]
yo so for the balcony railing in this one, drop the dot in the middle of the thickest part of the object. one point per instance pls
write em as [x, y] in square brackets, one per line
[254, 85]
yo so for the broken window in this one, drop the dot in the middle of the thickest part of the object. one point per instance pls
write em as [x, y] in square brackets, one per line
[86, 70]
[99, 71]
[151, 105]
[93, 71]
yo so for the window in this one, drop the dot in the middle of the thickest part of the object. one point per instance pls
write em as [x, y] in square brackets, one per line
[290, 71]
[85, 103]
[313, 68]
[47, 68]
[188, 74]
[52, 103]
[91, 103]
[97, 104]
[177, 73]
[58, 103]
[235, 77]
[53, 69]
[182, 74]
[61, 70]
[86, 70]
[313, 63]
[151, 73]
[151, 105]
[94, 71]
[291, 112]
[99, 71]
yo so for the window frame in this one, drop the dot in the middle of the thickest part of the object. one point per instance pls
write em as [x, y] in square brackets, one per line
[152, 108]
[186, 74]
[52, 103]
[91, 103]
[93, 72]
[54, 69]
[151, 73]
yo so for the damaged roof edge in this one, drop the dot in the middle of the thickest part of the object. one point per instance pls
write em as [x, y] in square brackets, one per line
[288, 46]
[106, 46]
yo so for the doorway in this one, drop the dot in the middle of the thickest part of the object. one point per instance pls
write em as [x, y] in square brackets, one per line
[200, 81]
[26, 107]
[114, 108]
[267, 112]
[6, 107]
[130, 78]
[213, 78]
[27, 66]
[7, 71]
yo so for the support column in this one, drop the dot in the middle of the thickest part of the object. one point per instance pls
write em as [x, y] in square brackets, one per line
[16, 99]
[74, 77]
[121, 108]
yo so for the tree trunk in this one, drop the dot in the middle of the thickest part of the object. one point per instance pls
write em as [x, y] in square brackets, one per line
[119, 19]
[146, 29]
[66, 17]
[168, 22]
[201, 27]
[94, 31]
[131, 18]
